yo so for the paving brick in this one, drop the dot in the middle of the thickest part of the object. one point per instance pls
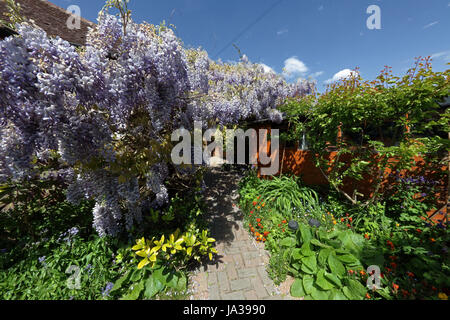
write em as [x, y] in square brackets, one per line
[202, 282]
[223, 281]
[240, 284]
[259, 288]
[264, 275]
[231, 272]
[251, 295]
[247, 272]
[233, 296]
[233, 249]
[212, 278]
[238, 261]
[255, 262]
[214, 292]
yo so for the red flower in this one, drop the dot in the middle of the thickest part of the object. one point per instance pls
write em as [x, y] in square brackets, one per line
[342, 219]
[368, 296]
[419, 231]
[284, 221]
[394, 265]
[410, 274]
[251, 211]
[255, 203]
[350, 219]
[258, 220]
[350, 271]
[348, 225]
[266, 233]
[395, 286]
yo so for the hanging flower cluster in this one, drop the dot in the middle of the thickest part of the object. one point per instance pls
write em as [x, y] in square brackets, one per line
[107, 109]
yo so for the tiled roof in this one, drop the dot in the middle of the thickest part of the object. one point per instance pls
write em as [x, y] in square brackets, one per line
[52, 19]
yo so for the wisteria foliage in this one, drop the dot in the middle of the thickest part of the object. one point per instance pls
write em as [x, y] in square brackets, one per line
[113, 101]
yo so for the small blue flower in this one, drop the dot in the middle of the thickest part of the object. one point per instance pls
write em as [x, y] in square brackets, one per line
[42, 259]
[107, 289]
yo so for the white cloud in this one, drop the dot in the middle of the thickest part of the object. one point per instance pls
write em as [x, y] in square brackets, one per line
[343, 74]
[444, 55]
[279, 33]
[431, 24]
[316, 74]
[266, 68]
[294, 67]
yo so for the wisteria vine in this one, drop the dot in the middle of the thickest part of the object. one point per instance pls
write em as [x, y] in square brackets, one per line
[107, 109]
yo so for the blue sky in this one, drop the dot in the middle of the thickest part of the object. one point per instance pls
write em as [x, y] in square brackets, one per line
[322, 39]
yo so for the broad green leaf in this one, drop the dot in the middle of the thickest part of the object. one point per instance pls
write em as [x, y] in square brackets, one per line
[308, 284]
[320, 294]
[288, 242]
[348, 293]
[152, 287]
[333, 279]
[310, 262]
[336, 266]
[303, 233]
[307, 270]
[337, 295]
[319, 244]
[322, 282]
[134, 294]
[118, 283]
[323, 256]
[348, 259]
[357, 288]
[297, 289]
[305, 250]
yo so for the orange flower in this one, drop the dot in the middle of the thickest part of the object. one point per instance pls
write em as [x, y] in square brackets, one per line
[264, 239]
[258, 197]
[433, 240]
[350, 271]
[366, 236]
[349, 225]
[258, 207]
[279, 225]
[395, 286]
[260, 225]
[419, 231]
[283, 230]
[258, 220]
[257, 234]
[362, 272]
[266, 233]
[368, 296]
[350, 219]
[342, 219]
[252, 229]
[284, 221]
[255, 203]
[410, 274]
[262, 205]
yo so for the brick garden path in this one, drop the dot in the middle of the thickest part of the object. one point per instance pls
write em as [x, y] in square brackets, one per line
[238, 272]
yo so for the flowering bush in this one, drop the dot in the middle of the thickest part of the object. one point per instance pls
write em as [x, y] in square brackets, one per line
[107, 109]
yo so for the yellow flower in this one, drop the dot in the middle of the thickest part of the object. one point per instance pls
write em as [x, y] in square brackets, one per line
[334, 222]
[397, 225]
[442, 296]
